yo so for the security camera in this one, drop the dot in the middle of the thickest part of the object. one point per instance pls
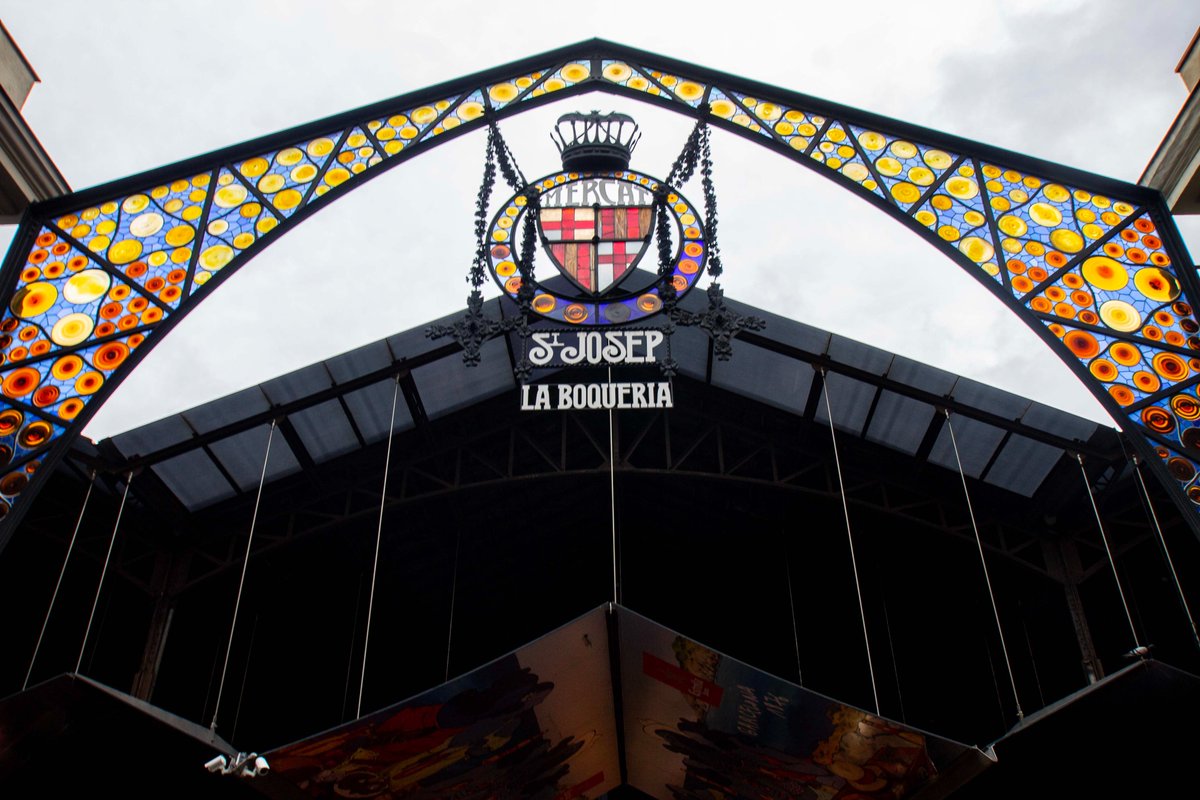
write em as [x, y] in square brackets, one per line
[261, 767]
[217, 764]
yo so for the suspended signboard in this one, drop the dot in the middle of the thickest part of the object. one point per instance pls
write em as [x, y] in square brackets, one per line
[702, 725]
[541, 723]
[538, 723]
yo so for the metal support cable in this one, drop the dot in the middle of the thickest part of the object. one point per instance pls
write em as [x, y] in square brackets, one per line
[103, 572]
[58, 583]
[612, 498]
[792, 607]
[987, 578]
[837, 461]
[1137, 470]
[1138, 650]
[453, 594]
[237, 603]
[387, 463]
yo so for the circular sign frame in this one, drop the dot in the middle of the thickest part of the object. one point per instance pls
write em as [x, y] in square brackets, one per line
[612, 306]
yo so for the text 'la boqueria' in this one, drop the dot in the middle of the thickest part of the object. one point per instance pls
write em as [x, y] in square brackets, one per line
[596, 396]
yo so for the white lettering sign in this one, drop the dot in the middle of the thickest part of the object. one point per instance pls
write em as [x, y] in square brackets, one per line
[596, 191]
[596, 396]
[629, 346]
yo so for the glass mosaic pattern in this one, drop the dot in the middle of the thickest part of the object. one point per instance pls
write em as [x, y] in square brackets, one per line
[1093, 270]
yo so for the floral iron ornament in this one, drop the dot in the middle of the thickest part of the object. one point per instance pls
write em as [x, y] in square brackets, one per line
[595, 220]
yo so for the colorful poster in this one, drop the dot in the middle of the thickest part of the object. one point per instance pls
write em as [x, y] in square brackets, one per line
[538, 723]
[700, 725]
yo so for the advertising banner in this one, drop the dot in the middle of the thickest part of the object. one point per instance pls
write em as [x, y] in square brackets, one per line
[537, 723]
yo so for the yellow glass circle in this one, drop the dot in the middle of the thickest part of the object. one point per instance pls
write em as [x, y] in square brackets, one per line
[976, 249]
[1012, 224]
[920, 176]
[1066, 240]
[303, 174]
[888, 166]
[471, 110]
[1045, 215]
[319, 148]
[938, 159]
[1120, 316]
[617, 72]
[230, 196]
[180, 235]
[689, 90]
[503, 92]
[767, 112]
[872, 140]
[855, 172]
[243, 240]
[216, 257]
[287, 199]
[906, 192]
[903, 149]
[125, 251]
[72, 329]
[1157, 284]
[925, 217]
[269, 184]
[146, 224]
[289, 156]
[337, 176]
[575, 72]
[962, 188]
[135, 203]
[254, 167]
[86, 286]
[422, 116]
[89, 383]
[1056, 193]
[33, 299]
[1105, 273]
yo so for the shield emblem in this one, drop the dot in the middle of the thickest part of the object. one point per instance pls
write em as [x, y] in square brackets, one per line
[596, 246]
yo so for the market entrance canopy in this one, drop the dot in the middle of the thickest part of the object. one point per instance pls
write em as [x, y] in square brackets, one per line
[1094, 265]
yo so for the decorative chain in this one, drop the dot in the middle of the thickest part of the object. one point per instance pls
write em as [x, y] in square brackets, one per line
[475, 275]
[710, 206]
[474, 328]
[508, 163]
[685, 165]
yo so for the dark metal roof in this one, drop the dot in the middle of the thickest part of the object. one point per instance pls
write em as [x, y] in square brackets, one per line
[325, 410]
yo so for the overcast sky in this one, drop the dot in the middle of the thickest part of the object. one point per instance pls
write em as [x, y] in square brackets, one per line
[129, 86]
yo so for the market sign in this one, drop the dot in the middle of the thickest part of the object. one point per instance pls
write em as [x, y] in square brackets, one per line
[565, 250]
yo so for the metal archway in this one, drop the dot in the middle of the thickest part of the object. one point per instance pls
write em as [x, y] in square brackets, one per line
[1095, 266]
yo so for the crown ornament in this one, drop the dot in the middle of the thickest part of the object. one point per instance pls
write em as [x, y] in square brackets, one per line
[595, 141]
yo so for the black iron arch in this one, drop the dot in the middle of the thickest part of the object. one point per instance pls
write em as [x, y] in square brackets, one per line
[1094, 265]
